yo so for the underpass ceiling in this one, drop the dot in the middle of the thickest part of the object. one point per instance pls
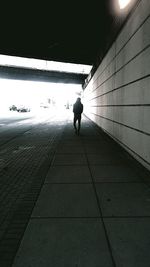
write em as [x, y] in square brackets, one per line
[65, 31]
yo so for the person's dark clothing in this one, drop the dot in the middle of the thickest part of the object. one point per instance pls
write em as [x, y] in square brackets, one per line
[77, 110]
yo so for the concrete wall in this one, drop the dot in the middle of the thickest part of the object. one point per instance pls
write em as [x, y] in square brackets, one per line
[117, 97]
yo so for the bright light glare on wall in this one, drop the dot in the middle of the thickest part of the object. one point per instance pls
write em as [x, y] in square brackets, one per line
[123, 3]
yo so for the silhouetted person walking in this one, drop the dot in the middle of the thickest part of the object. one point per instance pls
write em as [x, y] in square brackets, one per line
[77, 110]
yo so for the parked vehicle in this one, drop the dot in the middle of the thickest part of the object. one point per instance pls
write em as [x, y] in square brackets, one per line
[23, 109]
[13, 108]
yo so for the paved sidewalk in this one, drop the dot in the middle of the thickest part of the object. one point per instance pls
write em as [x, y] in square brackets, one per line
[89, 205]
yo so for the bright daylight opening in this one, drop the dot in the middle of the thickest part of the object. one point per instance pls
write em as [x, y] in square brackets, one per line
[33, 97]
[36, 97]
[123, 3]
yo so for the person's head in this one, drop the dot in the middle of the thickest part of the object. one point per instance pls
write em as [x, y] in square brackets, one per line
[78, 99]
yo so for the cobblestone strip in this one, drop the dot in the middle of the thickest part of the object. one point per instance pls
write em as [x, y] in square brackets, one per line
[21, 183]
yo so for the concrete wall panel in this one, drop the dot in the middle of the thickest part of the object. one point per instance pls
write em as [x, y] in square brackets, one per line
[127, 115]
[105, 63]
[139, 41]
[118, 96]
[134, 70]
[133, 24]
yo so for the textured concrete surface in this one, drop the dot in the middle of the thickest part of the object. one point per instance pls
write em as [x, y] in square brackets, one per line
[117, 97]
[68, 200]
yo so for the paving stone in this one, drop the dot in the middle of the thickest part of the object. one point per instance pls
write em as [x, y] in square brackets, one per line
[64, 242]
[130, 241]
[69, 159]
[66, 200]
[114, 173]
[99, 147]
[103, 158]
[68, 174]
[70, 148]
[124, 199]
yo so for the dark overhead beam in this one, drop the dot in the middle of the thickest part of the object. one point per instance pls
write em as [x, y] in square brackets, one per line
[41, 75]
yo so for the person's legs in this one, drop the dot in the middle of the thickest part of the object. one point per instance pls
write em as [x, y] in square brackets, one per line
[74, 123]
[77, 118]
[79, 124]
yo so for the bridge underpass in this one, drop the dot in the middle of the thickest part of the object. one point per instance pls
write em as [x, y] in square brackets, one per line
[49, 83]
[9, 72]
[71, 200]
